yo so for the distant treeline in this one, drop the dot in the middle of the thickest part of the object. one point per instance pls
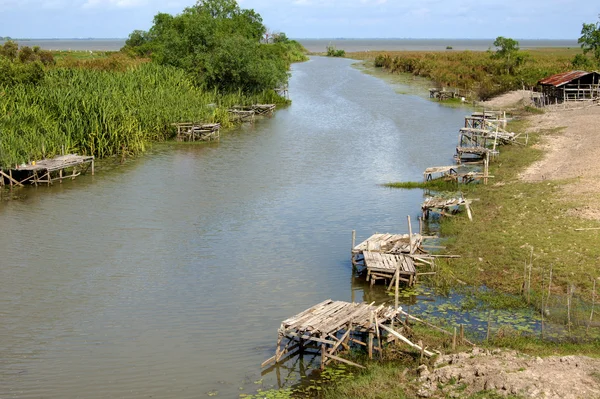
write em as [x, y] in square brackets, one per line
[484, 74]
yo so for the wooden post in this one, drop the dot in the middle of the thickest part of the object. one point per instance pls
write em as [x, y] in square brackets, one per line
[352, 250]
[422, 351]
[420, 225]
[323, 356]
[371, 336]
[410, 236]
[92, 166]
[397, 288]
[454, 340]
[462, 333]
[593, 303]
[487, 338]
[11, 179]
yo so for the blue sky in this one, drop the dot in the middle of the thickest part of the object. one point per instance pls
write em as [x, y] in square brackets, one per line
[523, 19]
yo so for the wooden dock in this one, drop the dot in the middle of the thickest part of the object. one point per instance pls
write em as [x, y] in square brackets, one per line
[258, 109]
[239, 115]
[48, 170]
[391, 258]
[445, 206]
[190, 131]
[472, 154]
[455, 174]
[333, 326]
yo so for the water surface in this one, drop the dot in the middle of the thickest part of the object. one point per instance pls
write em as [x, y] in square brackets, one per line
[168, 277]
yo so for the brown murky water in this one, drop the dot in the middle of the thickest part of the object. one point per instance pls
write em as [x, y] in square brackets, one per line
[168, 277]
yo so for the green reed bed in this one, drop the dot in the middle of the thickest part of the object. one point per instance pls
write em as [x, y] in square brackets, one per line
[104, 113]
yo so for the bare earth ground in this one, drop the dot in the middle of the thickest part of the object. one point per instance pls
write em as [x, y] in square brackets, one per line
[508, 372]
[572, 148]
[572, 145]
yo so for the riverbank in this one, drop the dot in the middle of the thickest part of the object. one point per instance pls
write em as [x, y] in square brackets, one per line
[541, 195]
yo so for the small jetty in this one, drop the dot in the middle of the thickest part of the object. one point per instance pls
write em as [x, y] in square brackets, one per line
[442, 94]
[47, 171]
[445, 206]
[330, 327]
[190, 131]
[455, 173]
[257, 109]
[391, 258]
[240, 115]
[283, 92]
[471, 155]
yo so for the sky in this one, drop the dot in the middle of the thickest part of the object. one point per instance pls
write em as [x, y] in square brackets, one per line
[520, 19]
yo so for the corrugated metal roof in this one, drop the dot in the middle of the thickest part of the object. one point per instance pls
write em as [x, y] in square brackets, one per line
[563, 78]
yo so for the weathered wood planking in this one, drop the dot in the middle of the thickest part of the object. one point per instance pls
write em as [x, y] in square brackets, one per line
[198, 131]
[387, 263]
[396, 243]
[332, 325]
[42, 171]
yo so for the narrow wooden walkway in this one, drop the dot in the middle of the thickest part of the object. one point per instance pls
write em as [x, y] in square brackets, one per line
[48, 170]
[332, 326]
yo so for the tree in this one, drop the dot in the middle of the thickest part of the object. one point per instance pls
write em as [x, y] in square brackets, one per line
[590, 39]
[507, 50]
[218, 44]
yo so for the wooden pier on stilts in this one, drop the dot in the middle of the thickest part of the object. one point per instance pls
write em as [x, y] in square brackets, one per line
[190, 131]
[445, 206]
[240, 115]
[330, 327]
[391, 257]
[47, 171]
[257, 109]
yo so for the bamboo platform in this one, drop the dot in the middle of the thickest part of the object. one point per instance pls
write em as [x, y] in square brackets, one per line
[452, 174]
[282, 91]
[48, 170]
[189, 131]
[332, 326]
[472, 154]
[238, 115]
[390, 243]
[258, 109]
[445, 207]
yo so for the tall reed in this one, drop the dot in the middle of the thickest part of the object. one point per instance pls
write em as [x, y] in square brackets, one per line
[104, 113]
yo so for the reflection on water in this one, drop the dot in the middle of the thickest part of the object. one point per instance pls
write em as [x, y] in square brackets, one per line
[169, 276]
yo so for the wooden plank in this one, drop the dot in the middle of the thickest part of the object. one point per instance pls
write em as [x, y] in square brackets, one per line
[339, 359]
[406, 340]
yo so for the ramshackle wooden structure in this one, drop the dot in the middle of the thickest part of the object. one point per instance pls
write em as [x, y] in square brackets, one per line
[190, 131]
[47, 171]
[569, 86]
[332, 326]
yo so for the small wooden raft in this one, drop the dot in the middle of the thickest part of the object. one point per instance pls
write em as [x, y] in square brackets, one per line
[189, 131]
[48, 170]
[331, 326]
[445, 206]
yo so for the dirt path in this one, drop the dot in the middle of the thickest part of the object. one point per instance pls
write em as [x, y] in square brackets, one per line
[571, 140]
[508, 372]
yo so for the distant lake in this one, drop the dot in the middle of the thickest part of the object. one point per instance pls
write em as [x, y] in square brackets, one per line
[319, 45]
